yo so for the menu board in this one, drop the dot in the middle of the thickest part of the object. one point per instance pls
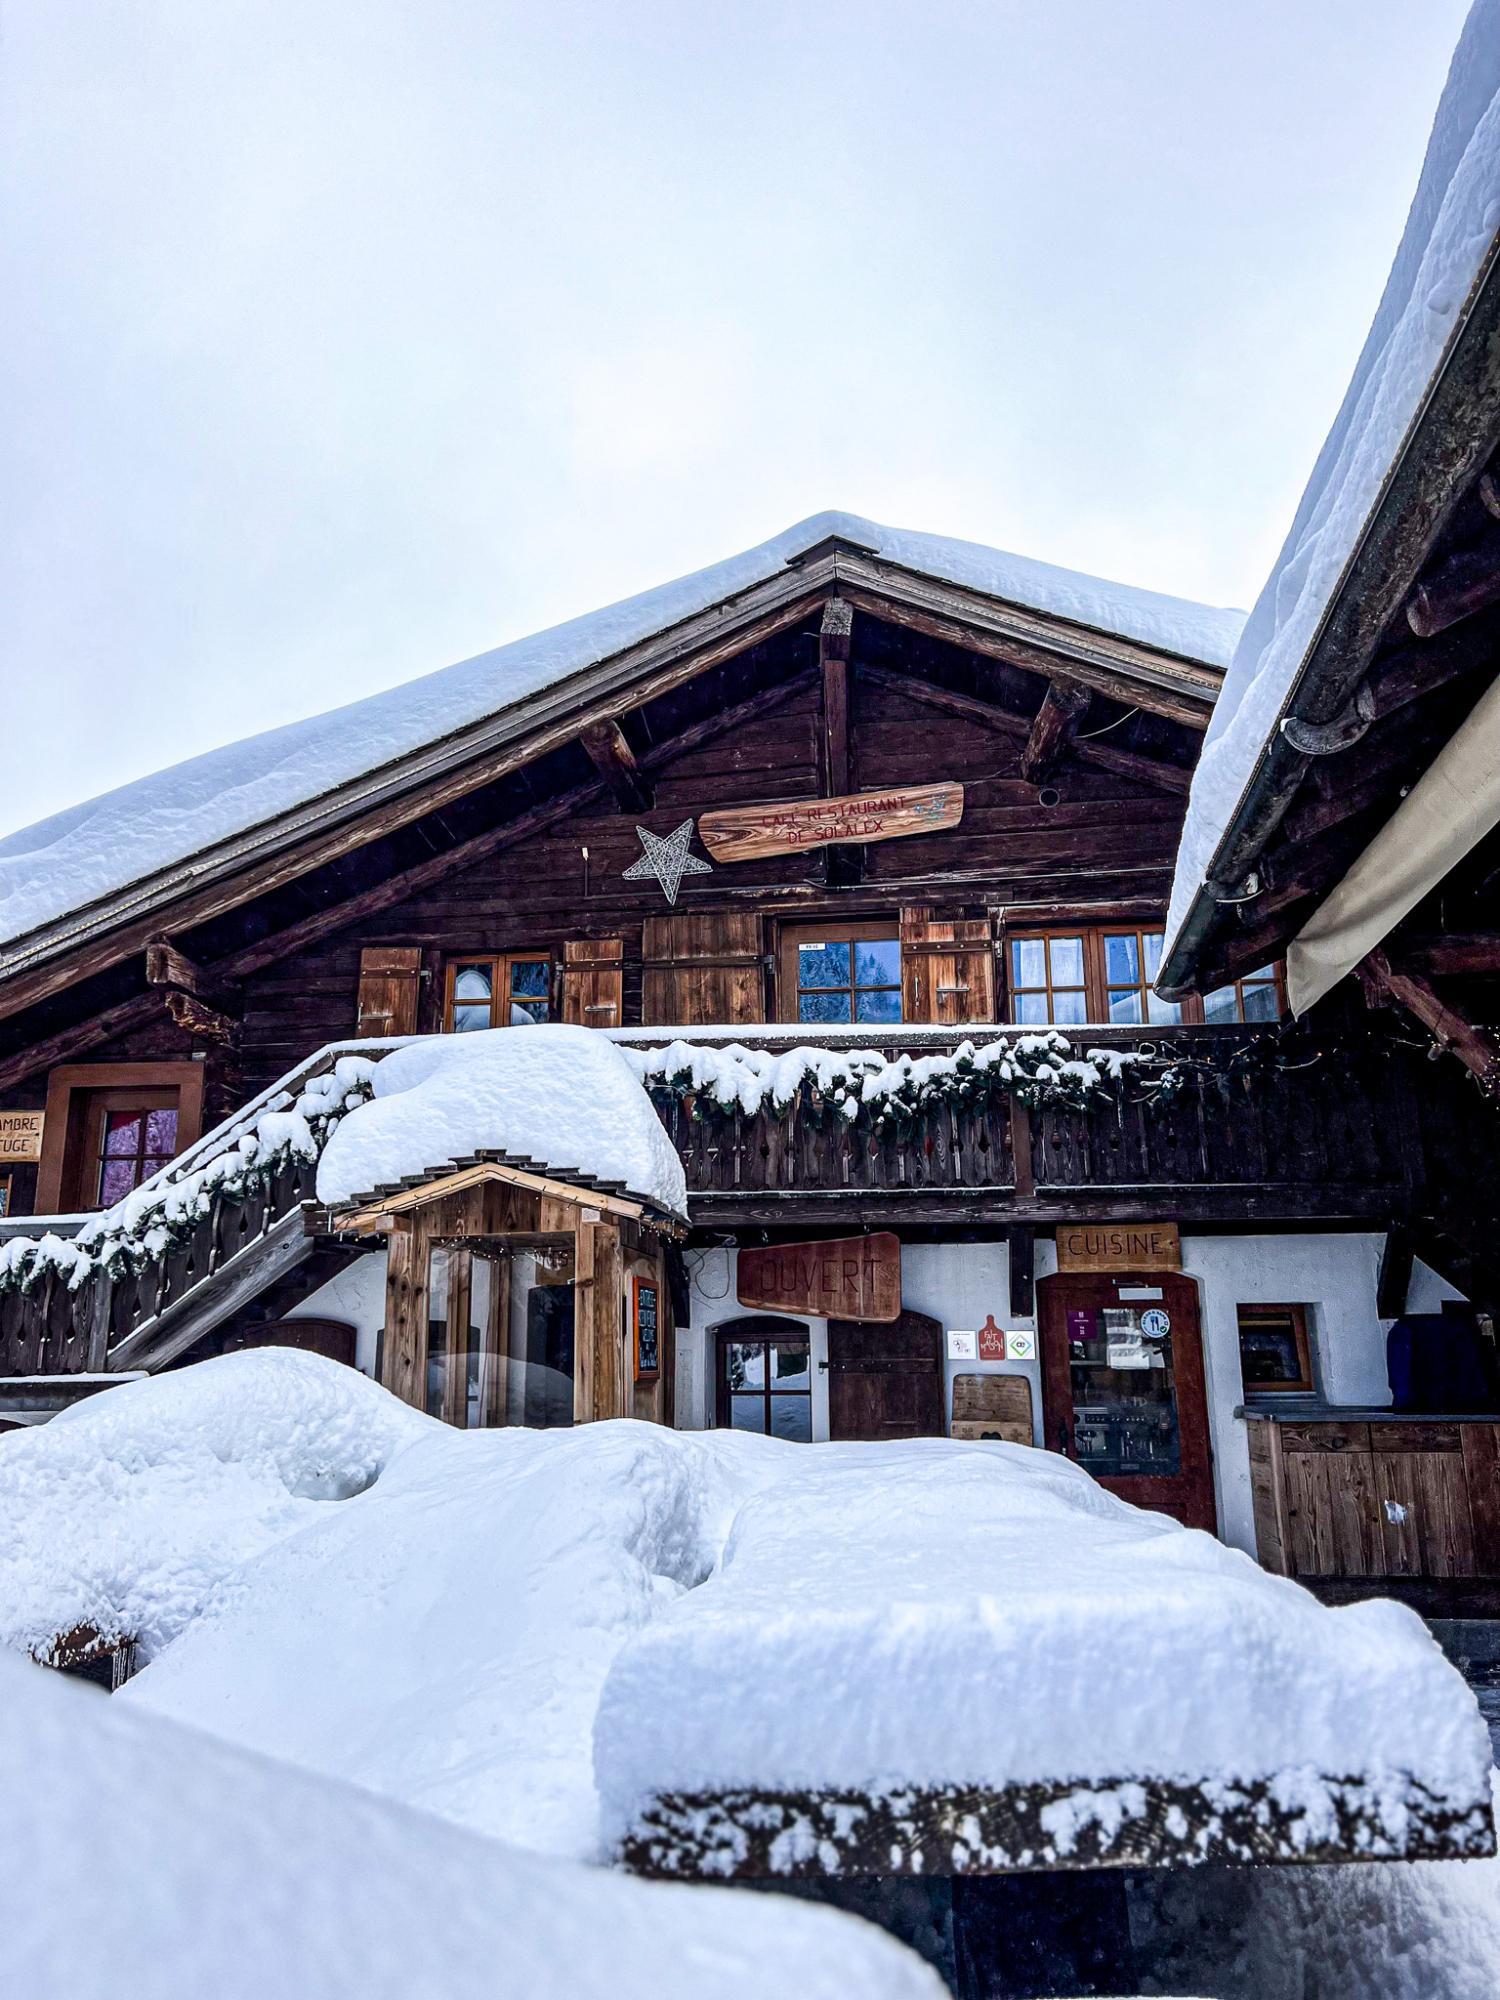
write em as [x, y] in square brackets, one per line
[647, 1329]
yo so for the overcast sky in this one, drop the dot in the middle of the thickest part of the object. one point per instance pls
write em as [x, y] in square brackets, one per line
[342, 339]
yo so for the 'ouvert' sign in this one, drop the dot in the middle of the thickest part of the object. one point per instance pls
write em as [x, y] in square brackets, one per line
[850, 1277]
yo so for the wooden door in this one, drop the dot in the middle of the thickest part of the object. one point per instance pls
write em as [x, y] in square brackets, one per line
[1123, 1394]
[947, 968]
[885, 1381]
[705, 967]
[389, 985]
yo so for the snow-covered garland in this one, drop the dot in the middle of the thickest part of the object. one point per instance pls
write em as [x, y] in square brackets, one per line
[161, 1216]
[881, 1092]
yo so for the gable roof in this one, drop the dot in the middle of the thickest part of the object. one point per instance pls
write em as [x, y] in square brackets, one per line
[1362, 499]
[92, 852]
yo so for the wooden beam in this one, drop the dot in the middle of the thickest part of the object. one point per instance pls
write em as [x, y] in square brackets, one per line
[1056, 724]
[1454, 590]
[1401, 675]
[1154, 771]
[1021, 1255]
[167, 966]
[195, 1017]
[724, 720]
[841, 865]
[1120, 686]
[1449, 1029]
[612, 757]
[1457, 954]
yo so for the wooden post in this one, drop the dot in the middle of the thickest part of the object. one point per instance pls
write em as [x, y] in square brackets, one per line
[1021, 1248]
[1056, 724]
[1391, 1286]
[598, 1340]
[1448, 1028]
[841, 864]
[612, 757]
[402, 1363]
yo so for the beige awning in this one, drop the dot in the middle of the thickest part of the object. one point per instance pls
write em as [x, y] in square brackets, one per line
[1448, 811]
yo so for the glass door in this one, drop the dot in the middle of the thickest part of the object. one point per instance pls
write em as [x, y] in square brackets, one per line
[1123, 1387]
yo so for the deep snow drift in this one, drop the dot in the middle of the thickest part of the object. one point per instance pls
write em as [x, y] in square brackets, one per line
[146, 1859]
[509, 1626]
[561, 1095]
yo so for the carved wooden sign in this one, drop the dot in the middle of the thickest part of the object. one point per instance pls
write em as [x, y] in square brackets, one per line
[750, 833]
[20, 1136]
[852, 1277]
[1123, 1246]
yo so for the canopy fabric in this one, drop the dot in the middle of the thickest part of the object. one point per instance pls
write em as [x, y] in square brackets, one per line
[1451, 808]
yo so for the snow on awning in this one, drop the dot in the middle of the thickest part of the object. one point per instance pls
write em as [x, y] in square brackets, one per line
[1448, 239]
[560, 1096]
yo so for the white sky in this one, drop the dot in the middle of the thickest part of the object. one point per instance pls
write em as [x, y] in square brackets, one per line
[342, 339]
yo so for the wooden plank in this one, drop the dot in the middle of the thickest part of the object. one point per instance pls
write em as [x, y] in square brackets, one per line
[1323, 1436]
[850, 1277]
[1331, 1518]
[401, 1365]
[1423, 1514]
[1021, 1254]
[593, 982]
[1415, 1437]
[752, 833]
[1481, 1450]
[1397, 1256]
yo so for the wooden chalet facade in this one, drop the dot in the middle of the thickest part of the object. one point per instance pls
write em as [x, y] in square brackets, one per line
[1005, 787]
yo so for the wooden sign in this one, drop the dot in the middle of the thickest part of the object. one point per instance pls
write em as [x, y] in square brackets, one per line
[854, 1277]
[645, 1312]
[1118, 1246]
[20, 1136]
[750, 833]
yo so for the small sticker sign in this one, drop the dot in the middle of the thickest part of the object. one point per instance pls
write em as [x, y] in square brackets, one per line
[991, 1341]
[1020, 1344]
[962, 1346]
[1155, 1323]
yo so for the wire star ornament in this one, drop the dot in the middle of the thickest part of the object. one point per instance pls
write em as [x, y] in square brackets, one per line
[667, 859]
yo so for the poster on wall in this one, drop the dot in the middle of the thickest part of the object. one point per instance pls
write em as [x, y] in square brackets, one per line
[646, 1315]
[962, 1345]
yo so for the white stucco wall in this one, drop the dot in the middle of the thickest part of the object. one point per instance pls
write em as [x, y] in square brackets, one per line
[355, 1294]
[958, 1284]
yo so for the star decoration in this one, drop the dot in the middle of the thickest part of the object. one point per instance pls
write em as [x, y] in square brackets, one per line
[667, 859]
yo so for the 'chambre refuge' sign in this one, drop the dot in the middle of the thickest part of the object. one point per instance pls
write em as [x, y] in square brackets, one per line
[852, 1277]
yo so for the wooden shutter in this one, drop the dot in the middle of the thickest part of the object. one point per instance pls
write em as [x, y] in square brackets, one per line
[389, 982]
[703, 968]
[593, 982]
[947, 968]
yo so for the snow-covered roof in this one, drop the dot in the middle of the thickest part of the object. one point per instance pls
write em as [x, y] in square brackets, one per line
[562, 1096]
[1449, 234]
[91, 851]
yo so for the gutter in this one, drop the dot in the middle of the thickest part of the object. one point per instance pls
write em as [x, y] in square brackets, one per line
[1450, 439]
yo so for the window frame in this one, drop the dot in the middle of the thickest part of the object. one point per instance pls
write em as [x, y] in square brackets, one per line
[837, 930]
[1297, 1313]
[64, 1170]
[766, 1330]
[1096, 984]
[498, 964]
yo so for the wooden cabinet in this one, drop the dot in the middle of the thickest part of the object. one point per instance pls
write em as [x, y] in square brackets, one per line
[1384, 1498]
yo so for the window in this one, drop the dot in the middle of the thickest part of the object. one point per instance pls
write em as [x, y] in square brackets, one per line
[1099, 975]
[131, 1134]
[511, 991]
[765, 1379]
[1256, 997]
[842, 972]
[1275, 1356]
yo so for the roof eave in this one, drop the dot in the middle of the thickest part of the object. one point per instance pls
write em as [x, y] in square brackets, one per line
[1449, 441]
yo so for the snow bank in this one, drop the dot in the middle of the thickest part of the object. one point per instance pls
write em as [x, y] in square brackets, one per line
[64, 863]
[144, 1859]
[559, 1095]
[444, 1638]
[1454, 216]
[124, 1513]
[938, 1614]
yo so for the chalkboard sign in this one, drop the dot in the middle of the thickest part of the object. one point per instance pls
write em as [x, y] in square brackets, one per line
[647, 1330]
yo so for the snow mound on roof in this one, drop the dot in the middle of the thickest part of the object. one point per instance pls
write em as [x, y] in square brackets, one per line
[1454, 216]
[66, 862]
[563, 1096]
[231, 1875]
[124, 1513]
[886, 1584]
